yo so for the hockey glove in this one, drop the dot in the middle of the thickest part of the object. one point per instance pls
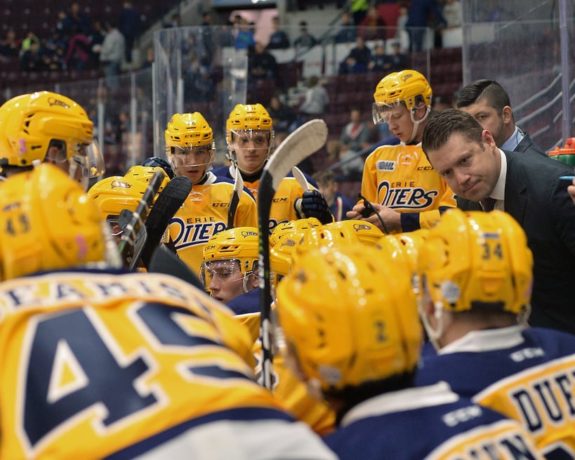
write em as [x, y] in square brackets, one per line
[313, 204]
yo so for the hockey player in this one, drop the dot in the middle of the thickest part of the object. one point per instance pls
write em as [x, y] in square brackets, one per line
[250, 138]
[357, 342]
[115, 193]
[406, 192]
[477, 274]
[98, 364]
[230, 274]
[190, 150]
[51, 128]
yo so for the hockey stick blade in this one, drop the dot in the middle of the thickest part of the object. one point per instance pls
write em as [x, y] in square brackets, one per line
[238, 188]
[307, 139]
[299, 145]
[166, 205]
[301, 179]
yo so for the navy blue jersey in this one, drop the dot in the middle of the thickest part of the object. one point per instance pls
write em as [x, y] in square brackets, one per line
[430, 422]
[526, 374]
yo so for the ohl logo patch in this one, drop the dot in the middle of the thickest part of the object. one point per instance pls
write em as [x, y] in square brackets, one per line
[192, 234]
[406, 197]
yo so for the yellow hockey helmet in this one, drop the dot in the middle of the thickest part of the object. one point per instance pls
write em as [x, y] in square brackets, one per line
[363, 327]
[238, 244]
[48, 223]
[248, 117]
[32, 123]
[113, 194]
[144, 174]
[187, 130]
[407, 86]
[286, 228]
[349, 231]
[477, 259]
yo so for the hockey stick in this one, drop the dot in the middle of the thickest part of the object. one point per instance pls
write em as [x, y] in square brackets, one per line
[165, 261]
[301, 179]
[300, 144]
[339, 207]
[166, 205]
[238, 188]
[133, 231]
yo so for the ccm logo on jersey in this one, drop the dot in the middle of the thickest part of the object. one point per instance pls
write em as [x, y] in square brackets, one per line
[385, 165]
[194, 234]
[408, 197]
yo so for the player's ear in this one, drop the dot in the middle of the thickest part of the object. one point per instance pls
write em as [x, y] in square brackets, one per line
[507, 115]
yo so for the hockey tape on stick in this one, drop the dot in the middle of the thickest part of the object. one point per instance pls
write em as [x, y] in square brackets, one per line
[167, 204]
[299, 145]
[133, 232]
[238, 188]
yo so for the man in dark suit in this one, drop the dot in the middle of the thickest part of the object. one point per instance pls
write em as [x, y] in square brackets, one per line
[527, 186]
[489, 104]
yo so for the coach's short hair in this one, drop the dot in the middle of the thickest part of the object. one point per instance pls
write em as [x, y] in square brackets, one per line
[489, 90]
[442, 125]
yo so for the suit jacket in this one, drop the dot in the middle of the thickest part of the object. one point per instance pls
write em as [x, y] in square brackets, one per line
[527, 145]
[539, 201]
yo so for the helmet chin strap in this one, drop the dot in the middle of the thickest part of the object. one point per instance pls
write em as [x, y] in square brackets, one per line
[416, 123]
[245, 281]
[433, 334]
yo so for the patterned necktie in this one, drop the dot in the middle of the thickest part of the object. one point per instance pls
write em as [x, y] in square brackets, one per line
[488, 204]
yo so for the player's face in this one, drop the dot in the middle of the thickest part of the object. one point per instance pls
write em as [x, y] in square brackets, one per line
[489, 118]
[251, 148]
[224, 279]
[399, 121]
[192, 162]
[471, 169]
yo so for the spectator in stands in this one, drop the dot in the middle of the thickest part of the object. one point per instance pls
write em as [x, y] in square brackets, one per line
[387, 63]
[278, 39]
[315, 101]
[489, 104]
[207, 36]
[401, 22]
[175, 21]
[452, 13]
[305, 39]
[32, 58]
[338, 204]
[283, 117]
[420, 15]
[245, 35]
[129, 25]
[9, 46]
[262, 64]
[75, 21]
[361, 55]
[112, 54]
[346, 32]
[372, 27]
[78, 52]
[354, 138]
[359, 10]
[198, 80]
